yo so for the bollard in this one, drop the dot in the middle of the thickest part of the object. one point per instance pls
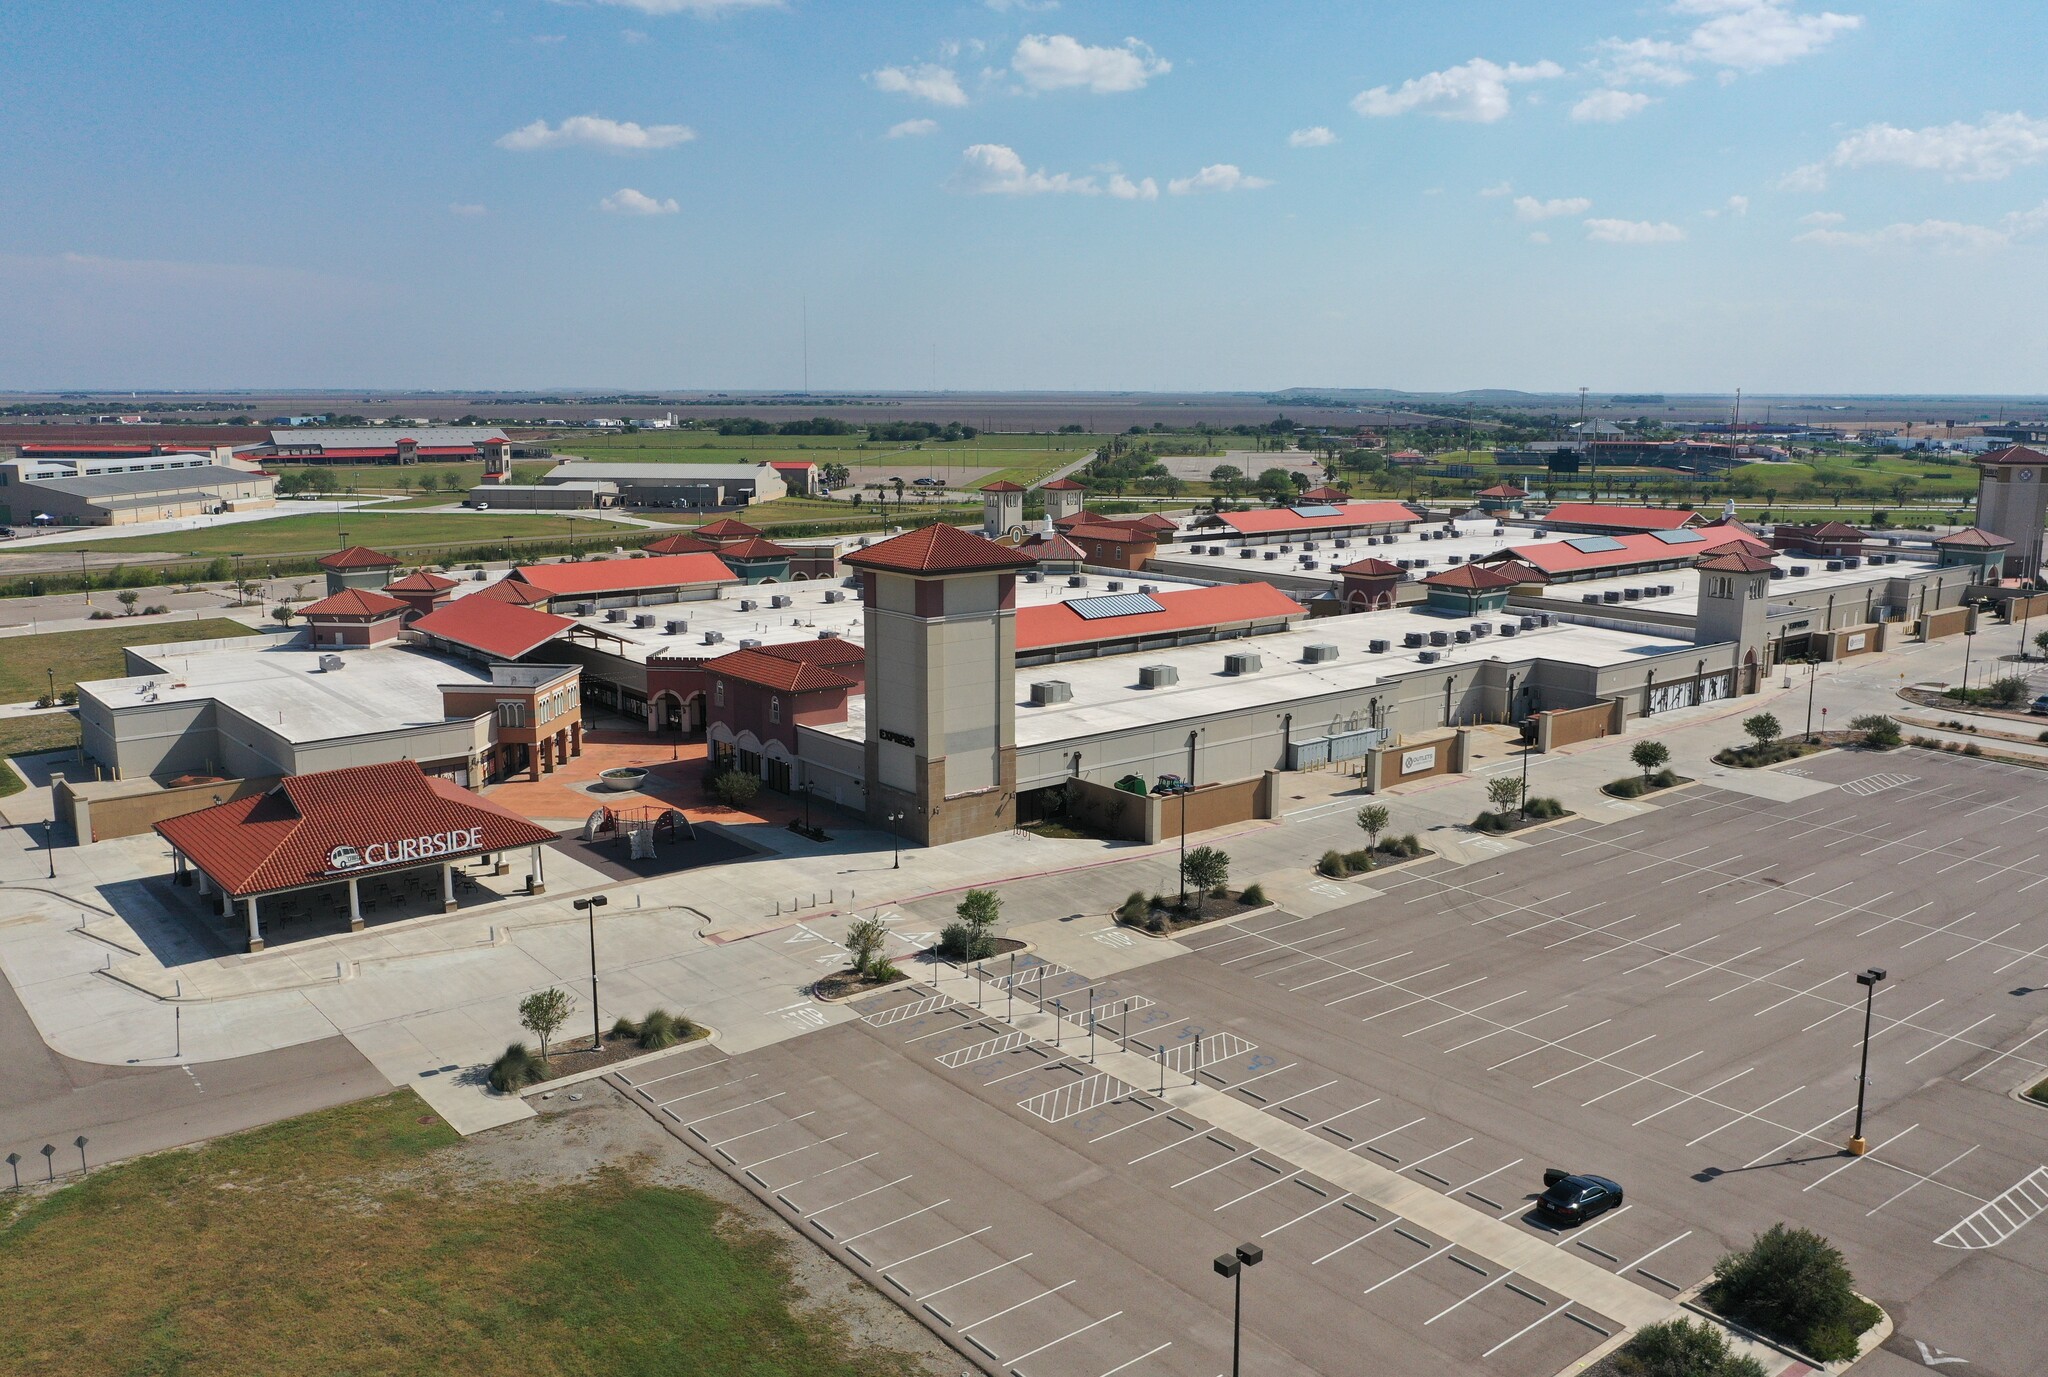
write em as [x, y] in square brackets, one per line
[1161, 1049]
[977, 984]
[1195, 1073]
[1091, 1037]
[1010, 992]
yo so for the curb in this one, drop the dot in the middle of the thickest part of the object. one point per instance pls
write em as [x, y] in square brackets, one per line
[1119, 925]
[1866, 1342]
[549, 1087]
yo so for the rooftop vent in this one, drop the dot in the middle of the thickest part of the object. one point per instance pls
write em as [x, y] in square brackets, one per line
[1508, 629]
[713, 637]
[1589, 597]
[1482, 629]
[1612, 595]
[781, 600]
[1342, 542]
[618, 614]
[1318, 654]
[749, 604]
[330, 663]
[1834, 566]
[1030, 576]
[1462, 637]
[643, 619]
[1439, 638]
[1528, 623]
[1413, 640]
[1242, 662]
[1049, 691]
[1247, 553]
[1631, 595]
[1115, 585]
[1077, 580]
[1308, 561]
[1157, 676]
[1274, 554]
[750, 644]
[1430, 657]
[675, 626]
[835, 595]
[586, 609]
[1800, 571]
[1379, 647]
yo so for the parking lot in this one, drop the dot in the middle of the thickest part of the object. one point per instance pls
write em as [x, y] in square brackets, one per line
[1373, 1092]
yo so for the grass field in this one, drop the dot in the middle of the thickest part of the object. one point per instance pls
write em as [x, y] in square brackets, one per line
[317, 534]
[94, 654]
[46, 731]
[350, 1242]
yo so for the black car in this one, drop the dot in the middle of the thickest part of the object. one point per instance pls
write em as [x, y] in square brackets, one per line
[1576, 1199]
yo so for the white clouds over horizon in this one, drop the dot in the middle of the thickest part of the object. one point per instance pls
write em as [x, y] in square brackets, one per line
[1477, 91]
[1316, 136]
[1736, 36]
[1609, 107]
[1216, 177]
[910, 129]
[594, 131]
[1987, 151]
[994, 169]
[923, 81]
[702, 9]
[1060, 62]
[1633, 232]
[1528, 208]
[627, 201]
[1952, 236]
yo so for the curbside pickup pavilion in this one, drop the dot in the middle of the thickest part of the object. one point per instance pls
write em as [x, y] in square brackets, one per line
[312, 844]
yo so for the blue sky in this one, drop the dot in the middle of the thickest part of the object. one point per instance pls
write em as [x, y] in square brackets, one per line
[1680, 195]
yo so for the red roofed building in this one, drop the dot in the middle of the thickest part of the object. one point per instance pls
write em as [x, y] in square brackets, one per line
[683, 544]
[356, 567]
[1590, 557]
[512, 591]
[629, 582]
[936, 551]
[333, 830]
[488, 629]
[1596, 518]
[1002, 508]
[1465, 590]
[1314, 520]
[1057, 631]
[2012, 501]
[1974, 548]
[1828, 540]
[759, 699]
[1370, 584]
[1054, 553]
[725, 530]
[355, 617]
[1325, 493]
[1501, 497]
[1120, 546]
[799, 475]
[422, 591]
[1063, 498]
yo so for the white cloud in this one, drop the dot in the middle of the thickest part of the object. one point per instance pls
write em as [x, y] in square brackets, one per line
[1822, 217]
[1986, 151]
[1738, 205]
[1216, 177]
[467, 208]
[593, 131]
[1498, 189]
[1538, 237]
[1952, 236]
[1058, 62]
[1811, 177]
[1529, 208]
[633, 35]
[910, 129]
[547, 40]
[626, 201]
[1475, 90]
[1316, 136]
[1736, 36]
[1633, 232]
[925, 81]
[1124, 189]
[703, 9]
[994, 169]
[1609, 107]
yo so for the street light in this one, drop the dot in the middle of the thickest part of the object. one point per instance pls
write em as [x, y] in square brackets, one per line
[50, 846]
[1812, 679]
[589, 907]
[1969, 636]
[1869, 981]
[897, 838]
[1186, 787]
[1232, 1265]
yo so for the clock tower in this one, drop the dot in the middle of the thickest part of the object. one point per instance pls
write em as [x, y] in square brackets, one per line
[2012, 501]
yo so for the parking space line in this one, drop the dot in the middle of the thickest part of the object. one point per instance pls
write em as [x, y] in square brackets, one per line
[1637, 1078]
[793, 1152]
[1982, 941]
[1796, 994]
[1438, 1153]
[1383, 984]
[1061, 1339]
[707, 1090]
[2003, 1055]
[1406, 1270]
[1276, 1181]
[1935, 932]
[862, 1196]
[1546, 1315]
[1230, 1161]
[1889, 1022]
[1427, 998]
[864, 1157]
[779, 1123]
[1308, 960]
[985, 1319]
[1628, 1267]
[1898, 918]
[1754, 980]
[1575, 1235]
[1721, 965]
[894, 1222]
[1460, 1190]
[1360, 1239]
[1306, 1213]
[1951, 1038]
[1591, 1059]
[1194, 1137]
[1505, 1028]
[1350, 970]
[1239, 935]
[1804, 1134]
[734, 1110]
[1746, 1114]
[641, 1086]
[1697, 1094]
[964, 1280]
[1455, 1304]
[1262, 1075]
[966, 1025]
[1854, 1160]
[1463, 1013]
[1139, 1359]
[1541, 1045]
[1923, 1180]
[1304, 941]
[935, 1248]
[1666, 956]
[2017, 959]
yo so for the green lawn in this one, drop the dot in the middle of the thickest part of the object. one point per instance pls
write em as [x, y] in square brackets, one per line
[390, 531]
[94, 654]
[349, 1243]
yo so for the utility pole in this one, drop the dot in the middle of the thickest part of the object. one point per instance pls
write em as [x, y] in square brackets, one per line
[1187, 787]
[1869, 980]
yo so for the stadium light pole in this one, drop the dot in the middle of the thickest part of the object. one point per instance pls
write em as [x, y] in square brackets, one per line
[1869, 980]
[590, 907]
[1232, 1265]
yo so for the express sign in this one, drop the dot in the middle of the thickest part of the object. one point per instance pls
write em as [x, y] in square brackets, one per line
[406, 849]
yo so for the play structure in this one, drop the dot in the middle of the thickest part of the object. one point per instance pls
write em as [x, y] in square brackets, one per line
[641, 828]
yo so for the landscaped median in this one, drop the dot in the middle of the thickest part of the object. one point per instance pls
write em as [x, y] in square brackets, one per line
[517, 1071]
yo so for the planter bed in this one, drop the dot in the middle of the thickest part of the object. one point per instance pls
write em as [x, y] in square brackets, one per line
[1519, 823]
[566, 1067]
[1782, 752]
[847, 983]
[1002, 946]
[1677, 783]
[1216, 911]
[1382, 860]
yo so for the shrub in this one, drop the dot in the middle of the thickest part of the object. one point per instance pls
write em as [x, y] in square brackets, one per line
[1134, 909]
[1156, 920]
[1493, 822]
[1763, 729]
[1252, 895]
[1878, 730]
[960, 941]
[1358, 860]
[1410, 846]
[1682, 1348]
[1664, 778]
[865, 939]
[515, 1070]
[2007, 690]
[661, 1029]
[1206, 870]
[1504, 792]
[1649, 756]
[623, 1028]
[1545, 808]
[1631, 786]
[1972, 748]
[1373, 819]
[1332, 864]
[734, 788]
[1793, 1284]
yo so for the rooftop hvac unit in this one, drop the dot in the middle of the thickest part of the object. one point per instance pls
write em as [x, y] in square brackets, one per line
[586, 609]
[1285, 548]
[1030, 576]
[1430, 657]
[1834, 566]
[1342, 542]
[1852, 561]
[615, 614]
[1077, 580]
[851, 580]
[1439, 638]
[1247, 553]
[1274, 554]
[1318, 654]
[1378, 647]
[1611, 595]
[1372, 540]
[1422, 564]
[713, 637]
[1631, 595]
[828, 635]
[1456, 559]
[1462, 637]
[643, 619]
[750, 604]
[330, 663]
[1528, 623]
[835, 595]
[675, 626]
[750, 645]
[1148, 588]
[1800, 571]
[1413, 639]
[1157, 676]
[478, 576]
[1589, 597]
[1115, 585]
[1546, 619]
[1776, 572]
[1665, 590]
[1308, 545]
[1507, 629]
[1482, 629]
[781, 600]
[1243, 662]
[1049, 691]
[1404, 563]
[1309, 561]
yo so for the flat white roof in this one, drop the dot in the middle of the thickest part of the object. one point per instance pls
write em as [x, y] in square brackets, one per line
[282, 687]
[1685, 583]
[1242, 563]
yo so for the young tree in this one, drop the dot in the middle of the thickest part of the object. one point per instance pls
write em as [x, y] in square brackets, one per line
[128, 598]
[864, 942]
[281, 614]
[979, 909]
[1373, 820]
[543, 1013]
[2041, 641]
[735, 788]
[1763, 729]
[1649, 757]
[1504, 793]
[1206, 868]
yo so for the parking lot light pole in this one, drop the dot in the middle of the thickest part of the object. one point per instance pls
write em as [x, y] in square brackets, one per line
[896, 837]
[1812, 679]
[1232, 1265]
[589, 908]
[1869, 981]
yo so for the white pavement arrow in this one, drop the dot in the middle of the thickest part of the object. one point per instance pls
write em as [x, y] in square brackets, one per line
[1934, 1357]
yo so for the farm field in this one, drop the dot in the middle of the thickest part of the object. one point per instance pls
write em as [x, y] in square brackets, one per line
[393, 531]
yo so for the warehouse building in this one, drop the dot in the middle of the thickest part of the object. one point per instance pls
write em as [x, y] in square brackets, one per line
[55, 491]
[693, 487]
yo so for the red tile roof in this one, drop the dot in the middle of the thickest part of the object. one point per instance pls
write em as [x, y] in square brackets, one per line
[1224, 604]
[357, 557]
[420, 581]
[1372, 568]
[2014, 454]
[777, 672]
[1522, 573]
[1325, 493]
[1973, 537]
[726, 528]
[1471, 578]
[625, 575]
[355, 602]
[1120, 533]
[754, 548]
[680, 545]
[1055, 549]
[503, 629]
[1151, 521]
[1555, 557]
[780, 464]
[833, 651]
[1002, 485]
[938, 549]
[1736, 562]
[1617, 518]
[512, 591]
[309, 828]
[1063, 485]
[1283, 519]
[1503, 490]
[1826, 530]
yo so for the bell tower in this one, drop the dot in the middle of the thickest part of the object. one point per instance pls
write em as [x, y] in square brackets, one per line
[2012, 501]
[1734, 593]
